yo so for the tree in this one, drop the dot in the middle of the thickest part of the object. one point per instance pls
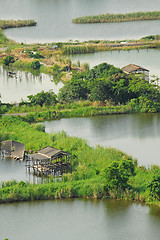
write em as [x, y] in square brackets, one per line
[100, 90]
[75, 89]
[41, 98]
[118, 173]
[154, 184]
[7, 60]
[57, 74]
[35, 65]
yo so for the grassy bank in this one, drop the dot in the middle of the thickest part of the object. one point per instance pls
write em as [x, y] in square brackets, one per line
[4, 24]
[109, 18]
[97, 172]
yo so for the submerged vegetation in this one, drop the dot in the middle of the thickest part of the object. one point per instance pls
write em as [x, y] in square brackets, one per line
[109, 18]
[96, 172]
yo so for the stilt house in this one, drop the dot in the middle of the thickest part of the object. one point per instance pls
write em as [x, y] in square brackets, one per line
[50, 161]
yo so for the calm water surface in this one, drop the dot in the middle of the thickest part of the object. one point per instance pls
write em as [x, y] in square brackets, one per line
[136, 134]
[14, 89]
[54, 19]
[79, 219]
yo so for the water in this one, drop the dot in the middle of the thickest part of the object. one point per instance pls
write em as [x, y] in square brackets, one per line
[11, 169]
[54, 19]
[14, 89]
[136, 134]
[148, 59]
[79, 219]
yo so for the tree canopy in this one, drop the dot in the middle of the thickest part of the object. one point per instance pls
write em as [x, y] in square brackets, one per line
[106, 82]
[41, 98]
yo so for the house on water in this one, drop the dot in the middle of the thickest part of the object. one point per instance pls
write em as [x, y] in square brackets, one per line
[13, 149]
[137, 70]
[49, 161]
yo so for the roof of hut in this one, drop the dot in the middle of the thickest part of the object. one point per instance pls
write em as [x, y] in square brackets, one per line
[13, 149]
[132, 67]
[47, 153]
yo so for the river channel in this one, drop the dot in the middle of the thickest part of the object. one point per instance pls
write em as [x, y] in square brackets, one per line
[79, 219]
[54, 19]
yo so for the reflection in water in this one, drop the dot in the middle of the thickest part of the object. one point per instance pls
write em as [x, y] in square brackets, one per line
[11, 169]
[155, 212]
[78, 219]
[136, 134]
[14, 89]
[116, 207]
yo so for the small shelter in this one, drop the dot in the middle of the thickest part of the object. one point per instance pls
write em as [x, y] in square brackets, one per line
[137, 70]
[49, 161]
[13, 149]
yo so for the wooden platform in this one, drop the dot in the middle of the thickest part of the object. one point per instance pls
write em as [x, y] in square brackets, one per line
[49, 161]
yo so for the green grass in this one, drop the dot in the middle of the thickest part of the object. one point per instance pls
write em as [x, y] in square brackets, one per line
[108, 18]
[4, 24]
[88, 178]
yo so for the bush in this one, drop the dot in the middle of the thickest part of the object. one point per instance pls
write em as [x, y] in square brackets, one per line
[35, 65]
[8, 60]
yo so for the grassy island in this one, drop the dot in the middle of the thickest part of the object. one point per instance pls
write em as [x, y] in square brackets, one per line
[96, 172]
[4, 24]
[109, 18]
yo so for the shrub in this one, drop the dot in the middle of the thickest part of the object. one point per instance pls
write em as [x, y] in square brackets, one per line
[35, 65]
[8, 60]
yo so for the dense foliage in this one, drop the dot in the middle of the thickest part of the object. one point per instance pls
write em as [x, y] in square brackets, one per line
[99, 91]
[108, 83]
[35, 64]
[8, 60]
[97, 172]
[47, 98]
[3, 38]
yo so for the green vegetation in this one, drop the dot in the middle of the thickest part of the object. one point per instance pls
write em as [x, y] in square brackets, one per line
[3, 38]
[106, 83]
[152, 37]
[102, 90]
[52, 58]
[4, 24]
[97, 172]
[35, 65]
[42, 98]
[108, 18]
[78, 49]
[8, 60]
